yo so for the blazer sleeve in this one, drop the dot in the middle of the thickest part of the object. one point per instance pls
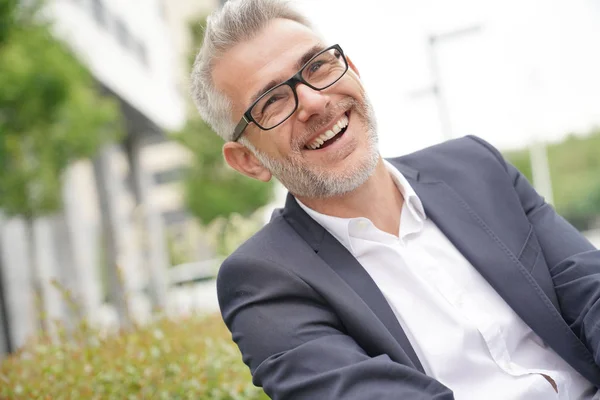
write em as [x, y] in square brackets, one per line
[573, 262]
[295, 345]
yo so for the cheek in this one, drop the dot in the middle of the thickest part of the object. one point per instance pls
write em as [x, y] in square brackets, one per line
[283, 139]
[351, 88]
[351, 77]
[272, 143]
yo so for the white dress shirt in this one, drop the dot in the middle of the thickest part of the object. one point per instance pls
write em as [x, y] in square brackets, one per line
[465, 335]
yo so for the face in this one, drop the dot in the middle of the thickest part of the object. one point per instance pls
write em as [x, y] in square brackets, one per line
[300, 152]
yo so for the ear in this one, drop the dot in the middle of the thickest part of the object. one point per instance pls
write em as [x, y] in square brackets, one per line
[245, 162]
[352, 66]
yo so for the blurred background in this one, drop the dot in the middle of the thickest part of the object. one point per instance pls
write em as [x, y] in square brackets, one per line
[115, 204]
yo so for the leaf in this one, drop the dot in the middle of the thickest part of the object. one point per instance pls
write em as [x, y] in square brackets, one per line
[574, 171]
[51, 112]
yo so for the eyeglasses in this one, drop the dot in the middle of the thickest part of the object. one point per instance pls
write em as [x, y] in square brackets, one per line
[275, 106]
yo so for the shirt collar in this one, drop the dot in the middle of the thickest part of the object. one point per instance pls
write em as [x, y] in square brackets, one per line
[413, 213]
[411, 199]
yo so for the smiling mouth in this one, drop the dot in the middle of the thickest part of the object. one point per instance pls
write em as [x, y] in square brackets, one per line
[331, 135]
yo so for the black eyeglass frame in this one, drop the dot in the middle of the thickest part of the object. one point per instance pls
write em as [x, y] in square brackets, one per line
[247, 118]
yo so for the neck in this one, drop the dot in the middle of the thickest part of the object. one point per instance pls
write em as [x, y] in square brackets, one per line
[378, 199]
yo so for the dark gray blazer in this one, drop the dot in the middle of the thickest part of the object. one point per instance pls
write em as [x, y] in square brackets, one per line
[311, 323]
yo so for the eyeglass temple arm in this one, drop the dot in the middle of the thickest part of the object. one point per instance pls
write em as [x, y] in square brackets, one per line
[239, 129]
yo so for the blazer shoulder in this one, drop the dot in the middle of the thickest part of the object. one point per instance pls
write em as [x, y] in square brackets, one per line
[271, 239]
[274, 244]
[255, 253]
[466, 155]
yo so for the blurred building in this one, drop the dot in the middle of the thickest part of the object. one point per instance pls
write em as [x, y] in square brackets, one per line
[128, 48]
[111, 238]
[167, 161]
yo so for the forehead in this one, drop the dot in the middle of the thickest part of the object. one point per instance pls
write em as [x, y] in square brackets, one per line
[270, 55]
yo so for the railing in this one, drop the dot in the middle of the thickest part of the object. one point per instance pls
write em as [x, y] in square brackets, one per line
[198, 271]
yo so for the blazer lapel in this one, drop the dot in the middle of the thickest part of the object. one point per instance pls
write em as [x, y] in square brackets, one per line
[351, 271]
[501, 268]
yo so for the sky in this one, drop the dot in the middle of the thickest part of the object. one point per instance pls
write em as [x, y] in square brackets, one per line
[530, 70]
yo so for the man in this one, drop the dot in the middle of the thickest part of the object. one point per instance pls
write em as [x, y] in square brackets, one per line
[437, 275]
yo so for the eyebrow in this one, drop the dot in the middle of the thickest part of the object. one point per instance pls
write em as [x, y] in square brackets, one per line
[310, 53]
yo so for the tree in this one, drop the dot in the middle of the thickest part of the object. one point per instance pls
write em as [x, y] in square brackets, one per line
[51, 113]
[7, 10]
[212, 189]
[574, 170]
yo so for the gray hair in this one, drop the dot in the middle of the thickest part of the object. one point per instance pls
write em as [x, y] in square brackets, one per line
[237, 21]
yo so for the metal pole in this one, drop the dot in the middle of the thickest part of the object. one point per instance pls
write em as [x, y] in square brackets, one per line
[437, 88]
[109, 188]
[5, 340]
[154, 246]
[540, 168]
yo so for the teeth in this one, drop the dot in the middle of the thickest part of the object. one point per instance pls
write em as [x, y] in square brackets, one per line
[337, 127]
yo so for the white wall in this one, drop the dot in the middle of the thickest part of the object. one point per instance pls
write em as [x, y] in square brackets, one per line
[178, 14]
[151, 87]
[163, 157]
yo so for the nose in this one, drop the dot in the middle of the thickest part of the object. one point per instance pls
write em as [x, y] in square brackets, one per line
[310, 102]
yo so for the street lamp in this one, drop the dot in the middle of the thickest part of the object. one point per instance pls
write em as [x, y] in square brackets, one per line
[434, 41]
[436, 88]
[537, 148]
[538, 151]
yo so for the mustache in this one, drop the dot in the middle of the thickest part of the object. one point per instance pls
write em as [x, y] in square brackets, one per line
[319, 122]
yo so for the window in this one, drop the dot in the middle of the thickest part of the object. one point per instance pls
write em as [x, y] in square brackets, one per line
[142, 52]
[175, 217]
[162, 9]
[169, 176]
[122, 32]
[118, 27]
[99, 12]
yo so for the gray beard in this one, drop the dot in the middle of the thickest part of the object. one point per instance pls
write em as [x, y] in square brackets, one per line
[302, 181]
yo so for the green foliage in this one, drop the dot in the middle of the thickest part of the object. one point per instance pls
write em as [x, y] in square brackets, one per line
[50, 113]
[522, 161]
[193, 358]
[7, 17]
[213, 189]
[575, 173]
[226, 235]
[177, 254]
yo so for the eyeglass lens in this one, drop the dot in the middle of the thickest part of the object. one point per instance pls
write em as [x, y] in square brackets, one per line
[277, 105]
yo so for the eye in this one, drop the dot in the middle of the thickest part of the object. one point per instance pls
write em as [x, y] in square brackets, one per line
[270, 101]
[314, 67]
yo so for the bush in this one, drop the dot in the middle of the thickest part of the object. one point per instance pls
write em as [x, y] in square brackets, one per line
[190, 358]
